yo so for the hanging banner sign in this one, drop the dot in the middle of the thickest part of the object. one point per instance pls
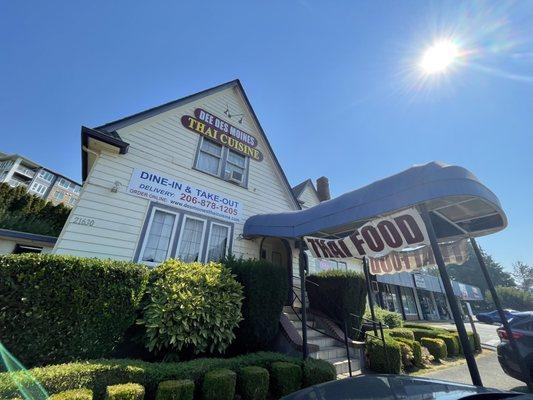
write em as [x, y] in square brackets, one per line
[376, 238]
[222, 132]
[408, 260]
[166, 190]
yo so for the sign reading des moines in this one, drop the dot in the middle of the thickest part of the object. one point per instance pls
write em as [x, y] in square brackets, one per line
[165, 190]
[220, 131]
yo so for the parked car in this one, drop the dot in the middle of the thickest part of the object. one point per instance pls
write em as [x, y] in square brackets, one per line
[522, 329]
[396, 387]
[494, 317]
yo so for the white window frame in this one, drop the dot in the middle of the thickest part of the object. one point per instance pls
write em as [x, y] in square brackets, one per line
[221, 158]
[209, 239]
[147, 235]
[56, 195]
[182, 228]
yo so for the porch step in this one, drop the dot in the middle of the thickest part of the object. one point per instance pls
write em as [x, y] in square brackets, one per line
[342, 368]
[329, 353]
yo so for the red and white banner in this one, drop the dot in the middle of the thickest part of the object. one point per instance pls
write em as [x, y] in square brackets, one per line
[375, 239]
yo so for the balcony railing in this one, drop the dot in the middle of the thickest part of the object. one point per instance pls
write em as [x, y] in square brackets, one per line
[25, 171]
[16, 183]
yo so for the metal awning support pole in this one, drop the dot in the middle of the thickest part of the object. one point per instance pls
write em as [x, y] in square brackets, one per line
[302, 264]
[369, 290]
[463, 336]
[498, 305]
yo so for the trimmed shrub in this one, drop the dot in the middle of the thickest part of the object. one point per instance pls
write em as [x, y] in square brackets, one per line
[75, 394]
[97, 375]
[389, 318]
[265, 289]
[62, 308]
[285, 378]
[452, 344]
[175, 390]
[386, 360]
[125, 391]
[402, 333]
[317, 371]
[436, 347]
[219, 385]
[253, 383]
[339, 294]
[191, 306]
[416, 348]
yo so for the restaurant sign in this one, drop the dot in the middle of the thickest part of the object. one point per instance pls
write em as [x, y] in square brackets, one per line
[222, 132]
[166, 190]
[376, 238]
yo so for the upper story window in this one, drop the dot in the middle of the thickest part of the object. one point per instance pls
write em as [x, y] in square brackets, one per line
[45, 175]
[217, 160]
[59, 195]
[77, 189]
[38, 188]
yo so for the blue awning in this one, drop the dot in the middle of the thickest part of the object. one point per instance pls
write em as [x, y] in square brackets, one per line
[459, 204]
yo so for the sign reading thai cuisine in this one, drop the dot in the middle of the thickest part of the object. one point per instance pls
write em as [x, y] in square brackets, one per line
[165, 190]
[222, 132]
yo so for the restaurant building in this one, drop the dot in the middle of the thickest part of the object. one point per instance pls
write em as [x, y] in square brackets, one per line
[180, 180]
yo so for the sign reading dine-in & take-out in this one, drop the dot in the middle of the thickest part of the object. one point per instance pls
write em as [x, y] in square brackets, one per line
[166, 190]
[222, 132]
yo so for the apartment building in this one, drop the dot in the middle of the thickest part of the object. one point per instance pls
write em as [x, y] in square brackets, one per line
[16, 170]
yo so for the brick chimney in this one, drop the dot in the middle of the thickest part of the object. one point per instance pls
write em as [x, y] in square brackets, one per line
[322, 188]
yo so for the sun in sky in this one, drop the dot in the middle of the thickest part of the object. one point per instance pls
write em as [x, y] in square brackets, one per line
[439, 57]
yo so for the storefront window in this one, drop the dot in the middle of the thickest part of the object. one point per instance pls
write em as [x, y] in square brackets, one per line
[190, 242]
[209, 157]
[429, 308]
[158, 240]
[442, 306]
[390, 299]
[218, 242]
[408, 300]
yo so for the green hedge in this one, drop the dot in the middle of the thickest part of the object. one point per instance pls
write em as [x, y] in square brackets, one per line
[386, 360]
[452, 344]
[265, 289]
[285, 378]
[253, 383]
[339, 294]
[436, 347]
[219, 385]
[317, 371]
[125, 391]
[75, 394]
[416, 348]
[402, 333]
[389, 318]
[97, 375]
[62, 308]
[175, 390]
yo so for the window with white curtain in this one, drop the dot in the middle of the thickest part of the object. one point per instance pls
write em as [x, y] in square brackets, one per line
[209, 157]
[236, 165]
[160, 232]
[190, 243]
[218, 242]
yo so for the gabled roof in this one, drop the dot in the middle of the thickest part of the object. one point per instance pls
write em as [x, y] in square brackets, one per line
[299, 188]
[108, 134]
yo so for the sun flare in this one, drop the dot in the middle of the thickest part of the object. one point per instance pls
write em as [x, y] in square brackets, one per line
[439, 57]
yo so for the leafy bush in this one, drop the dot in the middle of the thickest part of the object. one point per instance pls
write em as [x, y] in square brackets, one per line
[389, 318]
[386, 360]
[97, 375]
[265, 289]
[61, 308]
[436, 347]
[317, 371]
[402, 333]
[125, 391]
[416, 348]
[430, 333]
[21, 211]
[191, 305]
[452, 344]
[253, 383]
[219, 385]
[513, 298]
[75, 394]
[285, 378]
[339, 294]
[175, 390]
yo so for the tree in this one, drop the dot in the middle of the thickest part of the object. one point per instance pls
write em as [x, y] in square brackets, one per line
[470, 272]
[523, 273]
[513, 298]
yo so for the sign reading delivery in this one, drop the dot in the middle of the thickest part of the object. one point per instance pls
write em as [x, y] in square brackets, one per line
[220, 131]
[162, 189]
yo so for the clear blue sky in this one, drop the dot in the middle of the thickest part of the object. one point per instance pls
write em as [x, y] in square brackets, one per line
[335, 87]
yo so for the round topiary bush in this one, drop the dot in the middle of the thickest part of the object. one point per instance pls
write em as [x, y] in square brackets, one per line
[191, 306]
